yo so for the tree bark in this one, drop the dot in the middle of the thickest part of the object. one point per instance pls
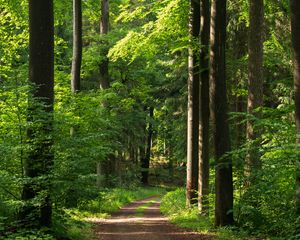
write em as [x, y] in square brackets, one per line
[40, 111]
[104, 84]
[146, 160]
[203, 201]
[295, 24]
[77, 46]
[104, 29]
[219, 108]
[193, 106]
[240, 50]
[255, 84]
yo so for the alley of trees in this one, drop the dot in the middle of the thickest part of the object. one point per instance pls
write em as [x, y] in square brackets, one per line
[199, 98]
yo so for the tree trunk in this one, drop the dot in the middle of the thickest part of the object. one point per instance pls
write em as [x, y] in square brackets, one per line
[104, 28]
[239, 50]
[77, 46]
[295, 24]
[224, 186]
[146, 159]
[40, 112]
[203, 201]
[193, 106]
[104, 84]
[255, 83]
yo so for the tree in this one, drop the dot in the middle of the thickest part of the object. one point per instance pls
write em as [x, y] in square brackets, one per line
[255, 82]
[295, 24]
[204, 108]
[224, 186]
[77, 46]
[103, 167]
[104, 28]
[193, 106]
[40, 109]
[145, 160]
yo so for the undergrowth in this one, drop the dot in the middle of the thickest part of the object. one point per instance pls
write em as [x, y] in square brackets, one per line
[73, 223]
[173, 205]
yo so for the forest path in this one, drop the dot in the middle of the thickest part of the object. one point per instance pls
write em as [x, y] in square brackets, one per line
[142, 220]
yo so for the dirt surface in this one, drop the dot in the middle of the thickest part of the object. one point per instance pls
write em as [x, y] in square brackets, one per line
[130, 224]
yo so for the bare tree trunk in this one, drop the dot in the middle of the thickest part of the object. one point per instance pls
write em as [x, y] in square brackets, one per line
[40, 112]
[239, 50]
[295, 23]
[193, 107]
[203, 201]
[104, 28]
[104, 84]
[146, 159]
[77, 46]
[255, 83]
[219, 108]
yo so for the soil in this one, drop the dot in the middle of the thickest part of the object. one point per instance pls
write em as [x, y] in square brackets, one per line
[128, 224]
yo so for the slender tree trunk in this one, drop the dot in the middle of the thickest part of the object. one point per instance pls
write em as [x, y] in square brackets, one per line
[146, 159]
[170, 162]
[203, 201]
[104, 84]
[77, 46]
[193, 106]
[255, 83]
[40, 112]
[295, 23]
[104, 28]
[224, 186]
[239, 50]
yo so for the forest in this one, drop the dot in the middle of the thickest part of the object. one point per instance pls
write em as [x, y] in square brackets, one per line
[188, 111]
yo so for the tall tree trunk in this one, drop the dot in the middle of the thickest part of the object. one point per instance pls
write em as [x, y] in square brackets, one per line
[193, 106]
[104, 28]
[40, 111]
[146, 160]
[77, 46]
[295, 23]
[102, 168]
[240, 49]
[224, 186]
[203, 201]
[255, 83]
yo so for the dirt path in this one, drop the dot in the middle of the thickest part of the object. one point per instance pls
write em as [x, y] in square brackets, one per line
[142, 220]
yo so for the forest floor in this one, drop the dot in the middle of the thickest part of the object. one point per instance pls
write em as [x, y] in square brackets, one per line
[142, 220]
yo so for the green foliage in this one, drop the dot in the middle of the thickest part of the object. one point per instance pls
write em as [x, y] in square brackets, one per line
[173, 205]
[113, 199]
[30, 235]
[268, 206]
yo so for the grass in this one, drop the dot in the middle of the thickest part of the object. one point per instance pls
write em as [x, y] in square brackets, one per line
[140, 210]
[173, 205]
[75, 220]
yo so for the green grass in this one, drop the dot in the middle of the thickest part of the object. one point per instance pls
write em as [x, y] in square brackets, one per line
[173, 205]
[113, 199]
[75, 223]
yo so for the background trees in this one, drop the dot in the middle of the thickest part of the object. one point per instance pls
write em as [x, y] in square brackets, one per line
[147, 49]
